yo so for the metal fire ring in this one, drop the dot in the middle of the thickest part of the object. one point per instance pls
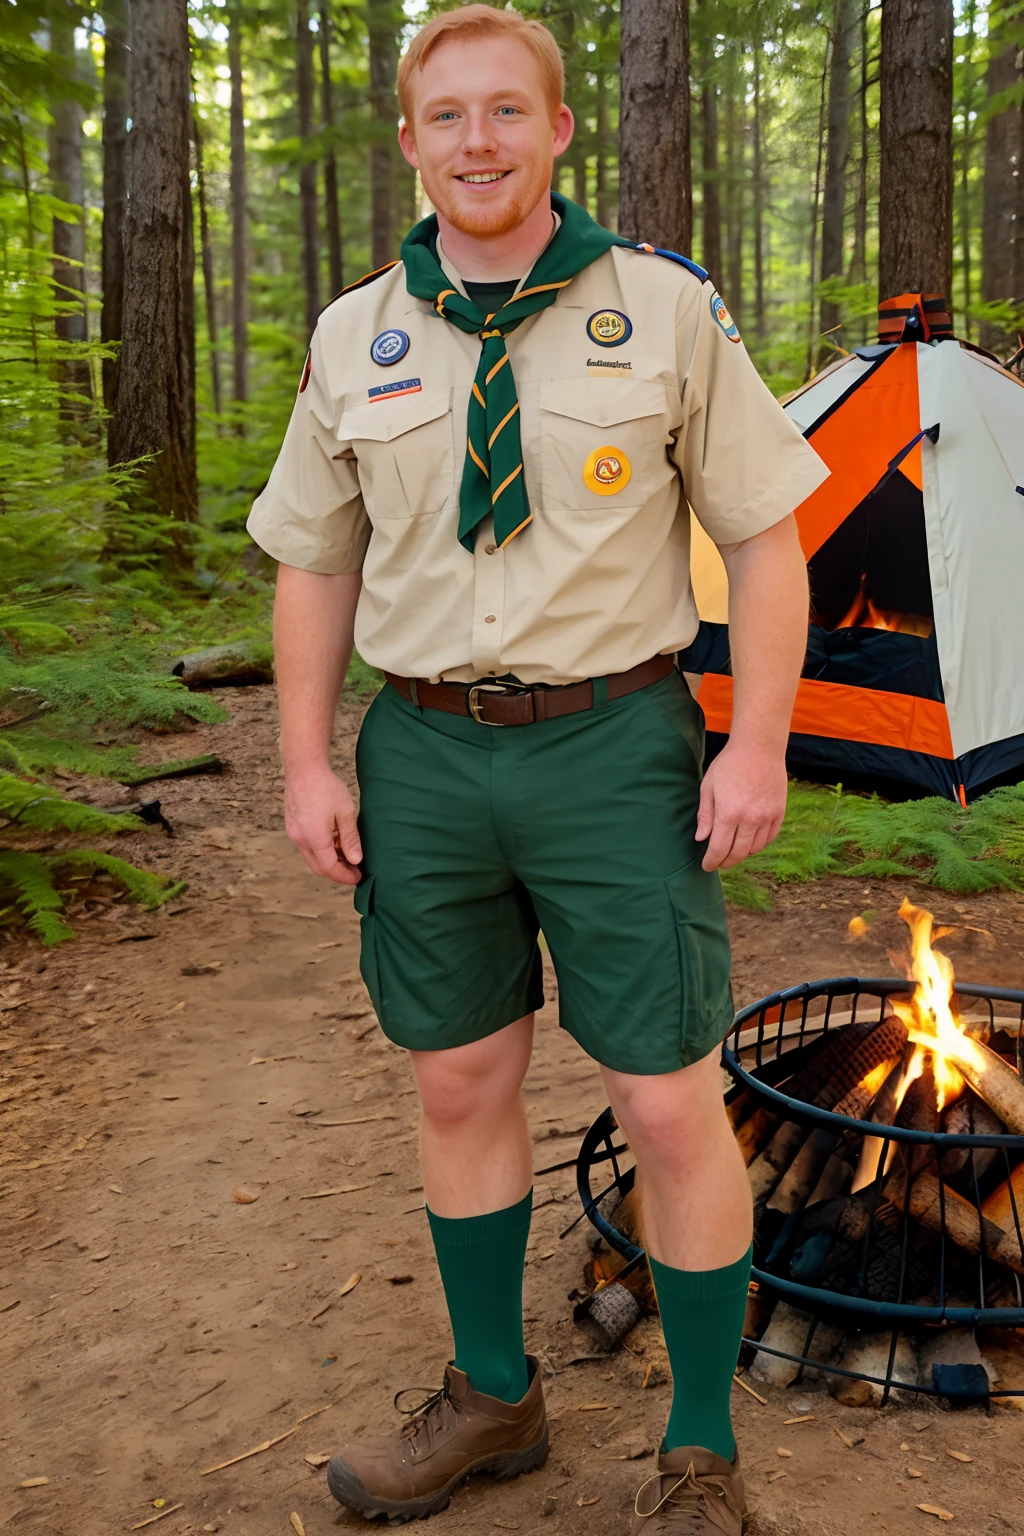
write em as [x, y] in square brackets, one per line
[778, 1044]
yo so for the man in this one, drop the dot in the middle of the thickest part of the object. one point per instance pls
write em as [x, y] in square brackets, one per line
[486, 479]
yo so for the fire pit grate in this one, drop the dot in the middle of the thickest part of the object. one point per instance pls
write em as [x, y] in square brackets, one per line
[864, 1227]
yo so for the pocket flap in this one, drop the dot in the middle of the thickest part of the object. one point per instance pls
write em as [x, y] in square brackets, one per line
[362, 896]
[380, 420]
[604, 402]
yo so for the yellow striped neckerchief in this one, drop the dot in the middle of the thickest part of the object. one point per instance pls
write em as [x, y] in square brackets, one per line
[492, 475]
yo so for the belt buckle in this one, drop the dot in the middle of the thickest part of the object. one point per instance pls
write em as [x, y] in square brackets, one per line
[502, 689]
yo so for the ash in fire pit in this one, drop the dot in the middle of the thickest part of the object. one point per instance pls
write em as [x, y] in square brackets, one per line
[883, 1129]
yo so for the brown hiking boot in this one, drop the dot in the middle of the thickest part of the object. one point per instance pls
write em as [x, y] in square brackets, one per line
[457, 1432]
[693, 1492]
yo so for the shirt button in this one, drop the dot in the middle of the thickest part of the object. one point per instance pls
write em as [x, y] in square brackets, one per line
[490, 618]
[490, 549]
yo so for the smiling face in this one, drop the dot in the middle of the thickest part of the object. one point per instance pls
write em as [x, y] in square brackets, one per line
[483, 135]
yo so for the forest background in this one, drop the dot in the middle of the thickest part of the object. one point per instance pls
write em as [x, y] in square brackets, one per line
[185, 183]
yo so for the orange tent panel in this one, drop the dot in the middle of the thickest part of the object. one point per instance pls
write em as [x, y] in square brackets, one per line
[858, 441]
[842, 713]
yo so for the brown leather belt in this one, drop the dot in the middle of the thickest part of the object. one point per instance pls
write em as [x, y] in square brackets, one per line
[502, 703]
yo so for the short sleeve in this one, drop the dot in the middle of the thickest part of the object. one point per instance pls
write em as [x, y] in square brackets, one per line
[311, 513]
[744, 463]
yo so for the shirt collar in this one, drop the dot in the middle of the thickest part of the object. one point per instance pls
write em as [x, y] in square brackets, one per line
[455, 277]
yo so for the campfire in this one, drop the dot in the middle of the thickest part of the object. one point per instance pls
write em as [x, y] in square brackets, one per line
[882, 1125]
[864, 614]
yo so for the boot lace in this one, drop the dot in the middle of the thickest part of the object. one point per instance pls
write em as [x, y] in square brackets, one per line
[435, 1415]
[687, 1494]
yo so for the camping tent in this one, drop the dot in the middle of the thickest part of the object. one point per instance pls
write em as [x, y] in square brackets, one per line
[915, 555]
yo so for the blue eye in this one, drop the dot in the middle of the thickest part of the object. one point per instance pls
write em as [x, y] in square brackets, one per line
[512, 110]
[445, 116]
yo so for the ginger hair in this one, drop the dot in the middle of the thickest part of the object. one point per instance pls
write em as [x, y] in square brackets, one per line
[467, 22]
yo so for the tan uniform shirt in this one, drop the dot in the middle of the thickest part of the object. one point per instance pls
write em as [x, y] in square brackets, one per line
[599, 580]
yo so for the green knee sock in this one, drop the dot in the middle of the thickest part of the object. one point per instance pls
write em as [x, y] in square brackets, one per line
[702, 1317]
[481, 1259]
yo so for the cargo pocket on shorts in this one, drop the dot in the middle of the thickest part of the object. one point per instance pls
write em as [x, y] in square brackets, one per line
[363, 901]
[705, 960]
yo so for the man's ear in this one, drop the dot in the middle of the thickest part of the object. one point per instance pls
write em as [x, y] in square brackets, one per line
[407, 144]
[564, 127]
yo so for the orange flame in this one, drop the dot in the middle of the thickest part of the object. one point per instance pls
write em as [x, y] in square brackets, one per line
[929, 1015]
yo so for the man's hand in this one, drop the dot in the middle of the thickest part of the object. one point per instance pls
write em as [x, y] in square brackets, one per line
[742, 803]
[320, 819]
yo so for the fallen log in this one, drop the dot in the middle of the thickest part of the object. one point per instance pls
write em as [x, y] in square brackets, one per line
[180, 768]
[927, 1201]
[226, 666]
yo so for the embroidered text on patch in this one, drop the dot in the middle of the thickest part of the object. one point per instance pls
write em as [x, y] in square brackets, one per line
[399, 387]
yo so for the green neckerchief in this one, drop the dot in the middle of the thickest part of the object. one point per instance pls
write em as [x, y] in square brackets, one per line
[492, 476]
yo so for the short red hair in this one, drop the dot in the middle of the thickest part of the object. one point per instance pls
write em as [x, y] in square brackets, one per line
[471, 21]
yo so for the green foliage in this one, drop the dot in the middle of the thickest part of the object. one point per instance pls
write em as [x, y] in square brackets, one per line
[935, 841]
[36, 885]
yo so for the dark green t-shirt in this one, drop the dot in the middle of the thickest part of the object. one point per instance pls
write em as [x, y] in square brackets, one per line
[491, 296]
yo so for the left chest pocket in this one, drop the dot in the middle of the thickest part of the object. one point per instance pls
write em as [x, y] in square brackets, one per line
[405, 453]
[603, 442]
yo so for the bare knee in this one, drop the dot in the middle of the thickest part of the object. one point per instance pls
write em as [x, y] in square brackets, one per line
[473, 1083]
[673, 1122]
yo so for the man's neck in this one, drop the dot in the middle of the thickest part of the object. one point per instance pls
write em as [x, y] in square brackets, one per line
[503, 258]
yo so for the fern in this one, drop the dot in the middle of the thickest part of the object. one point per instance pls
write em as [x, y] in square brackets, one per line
[936, 841]
[142, 885]
[27, 878]
[34, 806]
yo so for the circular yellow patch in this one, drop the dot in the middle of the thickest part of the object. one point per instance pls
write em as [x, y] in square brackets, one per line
[609, 328]
[607, 471]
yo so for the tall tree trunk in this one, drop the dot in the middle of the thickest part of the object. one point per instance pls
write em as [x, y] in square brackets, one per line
[966, 155]
[1001, 279]
[382, 27]
[115, 146]
[833, 206]
[734, 181]
[332, 218]
[603, 150]
[655, 196]
[859, 257]
[68, 182]
[206, 249]
[307, 170]
[915, 195]
[239, 219]
[711, 232]
[759, 195]
[155, 408]
[812, 347]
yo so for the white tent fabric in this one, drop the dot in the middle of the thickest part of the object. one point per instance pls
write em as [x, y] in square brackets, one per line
[974, 518]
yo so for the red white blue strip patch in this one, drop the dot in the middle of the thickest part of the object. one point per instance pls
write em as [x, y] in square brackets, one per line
[400, 387]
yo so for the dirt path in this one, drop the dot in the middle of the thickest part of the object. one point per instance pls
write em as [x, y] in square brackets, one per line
[152, 1326]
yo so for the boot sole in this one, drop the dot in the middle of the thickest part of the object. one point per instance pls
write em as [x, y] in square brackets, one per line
[349, 1491]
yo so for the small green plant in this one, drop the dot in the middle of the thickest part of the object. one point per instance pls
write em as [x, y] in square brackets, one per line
[36, 882]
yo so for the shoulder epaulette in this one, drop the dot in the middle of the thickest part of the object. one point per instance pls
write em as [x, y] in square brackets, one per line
[683, 261]
[361, 282]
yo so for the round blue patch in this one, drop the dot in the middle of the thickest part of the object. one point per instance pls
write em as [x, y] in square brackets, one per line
[389, 347]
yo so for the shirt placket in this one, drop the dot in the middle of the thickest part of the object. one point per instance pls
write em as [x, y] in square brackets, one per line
[488, 602]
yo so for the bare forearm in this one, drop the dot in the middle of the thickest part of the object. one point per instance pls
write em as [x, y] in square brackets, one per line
[767, 634]
[314, 617]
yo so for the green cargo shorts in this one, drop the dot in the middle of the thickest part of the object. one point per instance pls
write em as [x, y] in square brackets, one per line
[475, 837]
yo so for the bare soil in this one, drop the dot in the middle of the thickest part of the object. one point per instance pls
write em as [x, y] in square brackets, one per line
[205, 1134]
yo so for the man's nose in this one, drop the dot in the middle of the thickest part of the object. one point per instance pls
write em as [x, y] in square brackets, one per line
[479, 137]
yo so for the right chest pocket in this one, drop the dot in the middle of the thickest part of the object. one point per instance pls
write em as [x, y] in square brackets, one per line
[405, 453]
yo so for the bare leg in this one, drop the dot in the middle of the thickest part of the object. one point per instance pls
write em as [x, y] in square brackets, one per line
[695, 1191]
[475, 1149]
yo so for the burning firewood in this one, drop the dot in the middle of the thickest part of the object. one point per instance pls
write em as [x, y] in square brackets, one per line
[940, 1209]
[956, 1056]
[999, 1208]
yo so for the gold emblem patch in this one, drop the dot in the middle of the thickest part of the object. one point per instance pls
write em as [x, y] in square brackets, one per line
[607, 471]
[609, 328]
